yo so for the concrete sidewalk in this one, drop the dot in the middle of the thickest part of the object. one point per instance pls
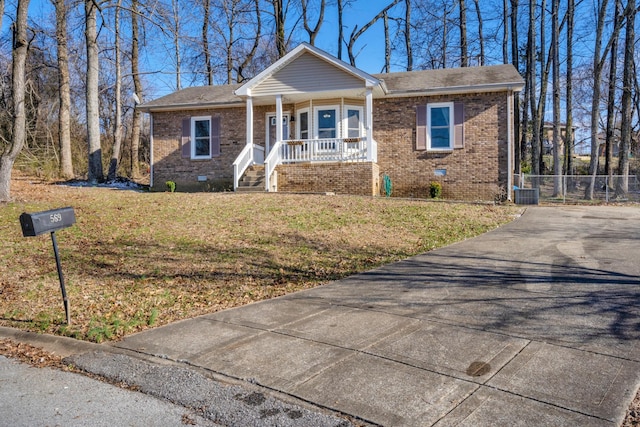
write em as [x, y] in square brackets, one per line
[535, 323]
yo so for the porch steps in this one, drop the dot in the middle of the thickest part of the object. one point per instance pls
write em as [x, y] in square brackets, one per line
[252, 180]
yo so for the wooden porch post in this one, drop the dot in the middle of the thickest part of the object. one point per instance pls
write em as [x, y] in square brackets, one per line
[249, 120]
[369, 123]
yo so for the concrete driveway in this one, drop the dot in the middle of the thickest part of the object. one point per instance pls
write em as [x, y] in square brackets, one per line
[536, 323]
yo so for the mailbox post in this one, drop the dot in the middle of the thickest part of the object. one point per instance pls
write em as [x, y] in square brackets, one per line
[50, 221]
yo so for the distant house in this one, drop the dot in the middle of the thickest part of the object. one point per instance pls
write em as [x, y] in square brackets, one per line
[547, 137]
[311, 123]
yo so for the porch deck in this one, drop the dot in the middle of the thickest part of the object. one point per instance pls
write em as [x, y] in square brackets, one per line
[327, 150]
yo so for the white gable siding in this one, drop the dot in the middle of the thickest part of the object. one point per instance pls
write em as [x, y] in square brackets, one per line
[307, 73]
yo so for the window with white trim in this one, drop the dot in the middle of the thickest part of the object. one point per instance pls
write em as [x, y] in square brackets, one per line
[326, 122]
[303, 124]
[201, 137]
[353, 121]
[440, 125]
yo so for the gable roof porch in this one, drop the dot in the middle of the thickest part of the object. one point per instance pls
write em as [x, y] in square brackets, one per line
[309, 75]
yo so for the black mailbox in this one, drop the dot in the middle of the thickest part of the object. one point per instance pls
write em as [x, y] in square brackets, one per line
[38, 223]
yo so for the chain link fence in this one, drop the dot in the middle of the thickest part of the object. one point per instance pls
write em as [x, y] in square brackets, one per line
[576, 188]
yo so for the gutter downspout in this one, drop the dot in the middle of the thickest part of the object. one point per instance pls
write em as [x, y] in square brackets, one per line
[150, 150]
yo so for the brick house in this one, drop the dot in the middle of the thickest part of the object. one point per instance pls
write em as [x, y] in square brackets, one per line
[312, 123]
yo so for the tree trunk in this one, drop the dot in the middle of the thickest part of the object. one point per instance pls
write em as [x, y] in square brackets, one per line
[464, 53]
[112, 174]
[595, 103]
[568, 144]
[611, 100]
[622, 186]
[519, 148]
[544, 83]
[64, 92]
[137, 87]
[555, 45]
[278, 14]
[205, 42]
[176, 41]
[387, 44]
[18, 128]
[407, 34]
[480, 32]
[95, 173]
[340, 28]
[505, 32]
[532, 75]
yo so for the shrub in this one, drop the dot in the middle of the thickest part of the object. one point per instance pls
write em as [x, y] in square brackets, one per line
[435, 190]
[171, 186]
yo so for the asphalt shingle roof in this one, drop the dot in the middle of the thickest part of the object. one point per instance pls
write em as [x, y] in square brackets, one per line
[425, 81]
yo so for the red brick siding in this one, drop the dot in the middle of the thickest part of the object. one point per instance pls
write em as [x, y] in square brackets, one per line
[340, 178]
[474, 172]
[169, 165]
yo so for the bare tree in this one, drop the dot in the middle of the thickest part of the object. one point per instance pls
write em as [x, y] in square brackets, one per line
[555, 59]
[313, 32]
[176, 41]
[598, 63]
[407, 34]
[249, 56]
[64, 91]
[356, 33]
[11, 149]
[622, 186]
[505, 32]
[279, 17]
[387, 44]
[206, 7]
[137, 87]
[95, 172]
[520, 146]
[117, 127]
[340, 7]
[480, 31]
[568, 145]
[613, 72]
[531, 85]
[464, 50]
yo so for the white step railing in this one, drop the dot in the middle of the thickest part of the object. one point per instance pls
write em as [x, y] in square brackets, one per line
[270, 163]
[250, 154]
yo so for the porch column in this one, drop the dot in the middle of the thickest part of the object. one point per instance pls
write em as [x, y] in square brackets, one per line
[249, 120]
[369, 123]
[278, 118]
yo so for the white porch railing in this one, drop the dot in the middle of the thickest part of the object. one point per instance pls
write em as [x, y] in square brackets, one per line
[325, 150]
[250, 154]
[319, 150]
[273, 159]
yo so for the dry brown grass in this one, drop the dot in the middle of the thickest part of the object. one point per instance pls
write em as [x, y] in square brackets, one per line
[135, 260]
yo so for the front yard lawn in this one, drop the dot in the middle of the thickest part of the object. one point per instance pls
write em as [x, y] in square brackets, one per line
[135, 260]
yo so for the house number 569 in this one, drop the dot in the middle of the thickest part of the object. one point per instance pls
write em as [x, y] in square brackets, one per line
[55, 217]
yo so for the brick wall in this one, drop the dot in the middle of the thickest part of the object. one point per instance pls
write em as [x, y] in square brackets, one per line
[475, 172]
[340, 178]
[169, 165]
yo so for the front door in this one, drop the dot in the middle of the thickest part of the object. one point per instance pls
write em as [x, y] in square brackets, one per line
[270, 139]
